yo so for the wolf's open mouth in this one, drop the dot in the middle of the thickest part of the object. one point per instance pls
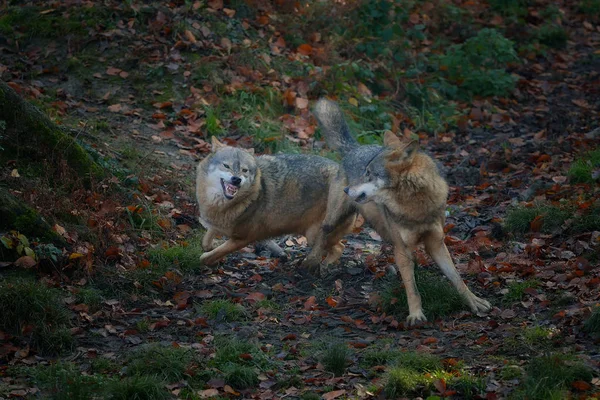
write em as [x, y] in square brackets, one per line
[229, 190]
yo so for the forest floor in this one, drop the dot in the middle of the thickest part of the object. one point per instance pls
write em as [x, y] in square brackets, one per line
[513, 116]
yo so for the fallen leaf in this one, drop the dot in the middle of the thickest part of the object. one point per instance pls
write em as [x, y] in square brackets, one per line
[301, 103]
[333, 395]
[25, 262]
[305, 49]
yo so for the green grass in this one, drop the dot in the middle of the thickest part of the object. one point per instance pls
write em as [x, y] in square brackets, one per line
[165, 363]
[31, 306]
[238, 362]
[335, 358]
[552, 35]
[518, 219]
[516, 290]
[400, 381]
[592, 324]
[240, 376]
[510, 372]
[538, 336]
[185, 256]
[235, 351]
[550, 376]
[582, 169]
[65, 381]
[102, 365]
[439, 298]
[310, 396]
[91, 297]
[137, 388]
[223, 310]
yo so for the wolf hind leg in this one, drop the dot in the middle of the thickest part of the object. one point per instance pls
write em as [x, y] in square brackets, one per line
[435, 247]
[221, 251]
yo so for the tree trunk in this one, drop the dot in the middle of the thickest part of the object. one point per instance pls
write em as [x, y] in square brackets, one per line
[32, 125]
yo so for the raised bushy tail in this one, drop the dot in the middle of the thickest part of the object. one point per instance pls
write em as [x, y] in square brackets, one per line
[334, 126]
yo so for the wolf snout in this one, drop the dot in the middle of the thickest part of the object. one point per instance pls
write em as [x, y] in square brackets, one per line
[346, 189]
[236, 180]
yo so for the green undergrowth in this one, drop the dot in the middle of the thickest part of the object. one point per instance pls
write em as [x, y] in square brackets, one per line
[38, 313]
[585, 169]
[222, 310]
[184, 256]
[412, 373]
[516, 290]
[439, 298]
[592, 324]
[548, 218]
[239, 362]
[64, 380]
[551, 377]
[335, 358]
[166, 363]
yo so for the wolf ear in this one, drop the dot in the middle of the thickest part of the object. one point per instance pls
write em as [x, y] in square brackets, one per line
[391, 140]
[215, 144]
[403, 153]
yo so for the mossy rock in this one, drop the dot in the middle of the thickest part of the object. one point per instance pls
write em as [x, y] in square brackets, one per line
[16, 215]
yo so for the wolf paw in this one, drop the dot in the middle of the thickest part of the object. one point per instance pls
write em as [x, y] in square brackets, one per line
[313, 267]
[478, 305]
[416, 318]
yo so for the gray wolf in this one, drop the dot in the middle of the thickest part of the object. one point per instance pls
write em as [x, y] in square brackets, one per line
[399, 191]
[249, 198]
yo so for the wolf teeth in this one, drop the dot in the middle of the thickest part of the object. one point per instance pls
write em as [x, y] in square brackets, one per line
[230, 189]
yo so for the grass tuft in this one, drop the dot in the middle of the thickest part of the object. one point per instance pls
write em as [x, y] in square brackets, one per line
[240, 376]
[516, 290]
[223, 310]
[335, 358]
[592, 324]
[582, 169]
[402, 381]
[27, 306]
[137, 388]
[519, 219]
[185, 256]
[550, 376]
[165, 362]
[432, 288]
[65, 381]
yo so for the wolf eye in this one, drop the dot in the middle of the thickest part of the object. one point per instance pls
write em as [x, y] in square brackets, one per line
[368, 173]
[226, 166]
[244, 170]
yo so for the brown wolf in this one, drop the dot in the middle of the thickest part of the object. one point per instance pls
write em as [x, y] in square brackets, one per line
[399, 191]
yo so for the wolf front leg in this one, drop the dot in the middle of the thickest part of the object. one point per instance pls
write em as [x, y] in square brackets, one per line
[221, 251]
[207, 239]
[406, 264]
[435, 247]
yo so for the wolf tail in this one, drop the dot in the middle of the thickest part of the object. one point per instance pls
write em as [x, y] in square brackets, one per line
[334, 126]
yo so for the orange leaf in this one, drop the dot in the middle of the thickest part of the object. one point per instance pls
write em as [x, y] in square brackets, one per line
[430, 340]
[246, 356]
[582, 386]
[310, 303]
[255, 296]
[331, 301]
[305, 49]
[333, 395]
[537, 223]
